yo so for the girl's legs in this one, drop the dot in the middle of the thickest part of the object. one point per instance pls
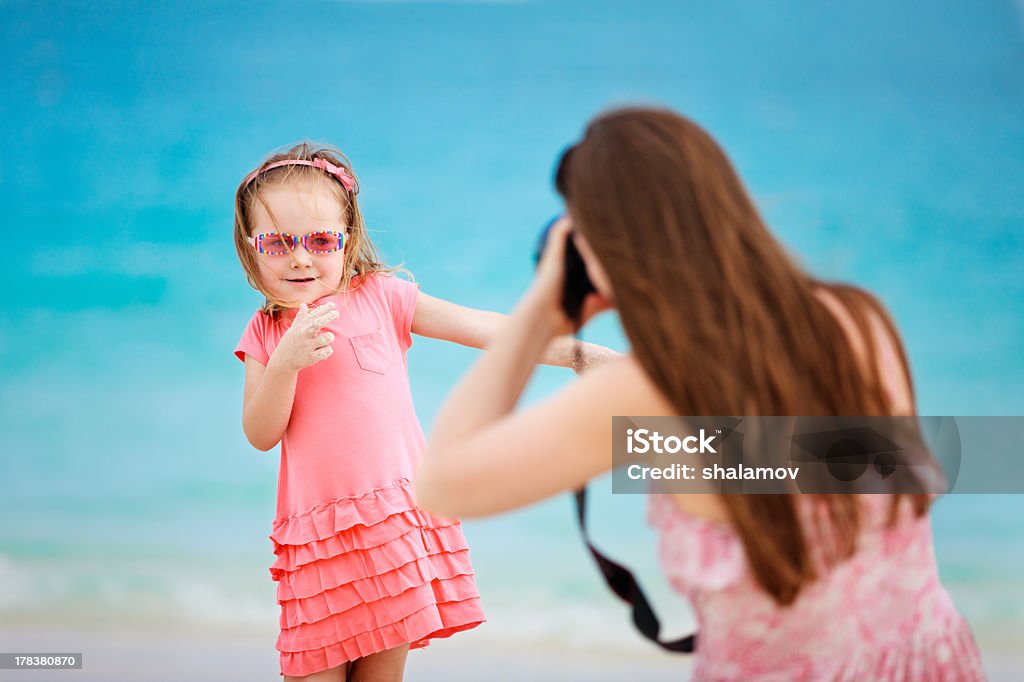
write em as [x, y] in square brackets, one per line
[383, 666]
[337, 674]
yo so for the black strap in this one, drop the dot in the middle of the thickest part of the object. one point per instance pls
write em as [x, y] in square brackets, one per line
[622, 583]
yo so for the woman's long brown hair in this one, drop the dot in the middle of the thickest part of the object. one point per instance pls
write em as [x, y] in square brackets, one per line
[718, 314]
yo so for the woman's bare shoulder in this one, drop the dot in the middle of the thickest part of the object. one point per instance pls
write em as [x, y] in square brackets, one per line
[636, 390]
[883, 344]
[639, 390]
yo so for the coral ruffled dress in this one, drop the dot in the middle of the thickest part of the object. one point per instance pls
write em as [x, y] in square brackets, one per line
[360, 569]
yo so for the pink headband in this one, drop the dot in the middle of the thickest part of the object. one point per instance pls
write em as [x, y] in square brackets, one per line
[337, 171]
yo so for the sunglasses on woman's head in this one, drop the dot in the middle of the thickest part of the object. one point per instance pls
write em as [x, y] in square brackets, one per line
[281, 243]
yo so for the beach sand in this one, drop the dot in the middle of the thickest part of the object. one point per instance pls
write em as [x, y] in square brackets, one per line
[116, 656]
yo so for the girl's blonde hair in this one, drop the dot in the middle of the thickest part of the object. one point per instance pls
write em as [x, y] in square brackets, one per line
[361, 257]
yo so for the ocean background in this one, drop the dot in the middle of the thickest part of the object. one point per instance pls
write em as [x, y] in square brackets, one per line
[884, 143]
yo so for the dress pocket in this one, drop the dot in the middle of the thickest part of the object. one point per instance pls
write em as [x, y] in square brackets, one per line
[373, 352]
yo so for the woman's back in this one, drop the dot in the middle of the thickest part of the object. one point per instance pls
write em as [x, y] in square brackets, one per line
[881, 614]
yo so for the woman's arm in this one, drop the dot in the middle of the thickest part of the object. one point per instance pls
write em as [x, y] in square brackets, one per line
[439, 319]
[525, 456]
[483, 458]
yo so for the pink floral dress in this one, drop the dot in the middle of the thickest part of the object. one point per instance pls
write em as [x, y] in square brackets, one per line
[881, 615]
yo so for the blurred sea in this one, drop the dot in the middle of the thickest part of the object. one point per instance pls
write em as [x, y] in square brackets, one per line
[884, 143]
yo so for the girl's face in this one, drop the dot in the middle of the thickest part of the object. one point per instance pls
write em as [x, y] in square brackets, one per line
[299, 208]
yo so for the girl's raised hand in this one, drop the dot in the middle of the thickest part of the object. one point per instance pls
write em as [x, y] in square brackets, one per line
[304, 343]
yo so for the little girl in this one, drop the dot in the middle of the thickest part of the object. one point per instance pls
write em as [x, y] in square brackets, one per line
[363, 574]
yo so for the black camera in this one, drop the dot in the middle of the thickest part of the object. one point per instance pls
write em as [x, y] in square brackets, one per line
[577, 283]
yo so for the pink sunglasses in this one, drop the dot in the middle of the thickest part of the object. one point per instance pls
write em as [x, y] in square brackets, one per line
[281, 243]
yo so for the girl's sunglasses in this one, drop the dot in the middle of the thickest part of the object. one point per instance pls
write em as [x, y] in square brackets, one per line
[280, 243]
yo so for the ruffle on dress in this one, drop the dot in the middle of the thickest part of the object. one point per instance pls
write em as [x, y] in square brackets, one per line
[359, 575]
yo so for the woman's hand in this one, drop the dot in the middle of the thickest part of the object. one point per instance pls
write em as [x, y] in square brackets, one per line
[549, 279]
[549, 282]
[304, 343]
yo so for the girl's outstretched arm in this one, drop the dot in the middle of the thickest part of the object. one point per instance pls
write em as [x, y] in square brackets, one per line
[440, 319]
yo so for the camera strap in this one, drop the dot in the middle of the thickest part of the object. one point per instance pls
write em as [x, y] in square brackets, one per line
[621, 581]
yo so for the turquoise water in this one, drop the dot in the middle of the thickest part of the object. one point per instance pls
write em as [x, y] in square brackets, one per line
[885, 145]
